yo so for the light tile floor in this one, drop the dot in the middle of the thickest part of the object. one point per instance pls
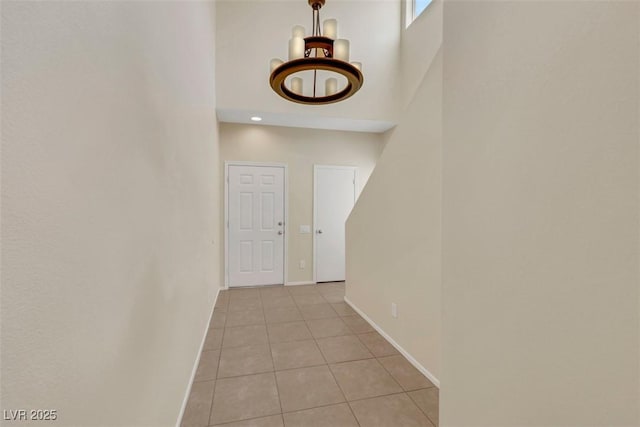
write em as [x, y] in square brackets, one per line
[299, 356]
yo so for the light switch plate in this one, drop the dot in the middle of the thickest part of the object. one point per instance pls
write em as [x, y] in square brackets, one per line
[305, 229]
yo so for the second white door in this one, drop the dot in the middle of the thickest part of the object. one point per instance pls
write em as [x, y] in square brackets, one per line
[255, 225]
[334, 197]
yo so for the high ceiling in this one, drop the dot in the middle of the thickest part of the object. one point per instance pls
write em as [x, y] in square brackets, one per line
[250, 33]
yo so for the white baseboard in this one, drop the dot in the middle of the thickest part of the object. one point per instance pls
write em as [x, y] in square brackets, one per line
[299, 283]
[195, 366]
[397, 346]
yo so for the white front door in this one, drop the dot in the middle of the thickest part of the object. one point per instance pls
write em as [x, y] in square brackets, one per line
[334, 197]
[255, 214]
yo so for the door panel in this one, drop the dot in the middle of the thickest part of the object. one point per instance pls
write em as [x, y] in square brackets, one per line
[333, 200]
[246, 256]
[255, 230]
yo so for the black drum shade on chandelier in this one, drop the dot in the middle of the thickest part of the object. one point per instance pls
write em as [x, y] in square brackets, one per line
[322, 51]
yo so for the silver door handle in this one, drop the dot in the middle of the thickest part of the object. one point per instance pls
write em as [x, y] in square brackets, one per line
[319, 231]
[279, 232]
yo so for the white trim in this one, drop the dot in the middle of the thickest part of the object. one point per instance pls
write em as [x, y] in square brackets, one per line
[299, 283]
[197, 362]
[397, 346]
[225, 225]
[315, 215]
[410, 12]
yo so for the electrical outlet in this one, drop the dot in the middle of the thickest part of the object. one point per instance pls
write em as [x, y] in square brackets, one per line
[394, 310]
[303, 264]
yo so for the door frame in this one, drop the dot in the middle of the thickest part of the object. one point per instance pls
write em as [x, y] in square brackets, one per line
[315, 212]
[225, 225]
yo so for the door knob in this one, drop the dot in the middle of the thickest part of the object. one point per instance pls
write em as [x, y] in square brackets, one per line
[280, 223]
[319, 231]
[279, 232]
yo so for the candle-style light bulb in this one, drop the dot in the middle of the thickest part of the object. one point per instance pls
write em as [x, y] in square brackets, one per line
[330, 28]
[330, 86]
[296, 85]
[341, 50]
[275, 63]
[358, 65]
[296, 48]
[297, 31]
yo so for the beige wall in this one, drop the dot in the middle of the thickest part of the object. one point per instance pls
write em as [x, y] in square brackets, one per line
[393, 234]
[300, 149]
[401, 263]
[110, 192]
[540, 216]
[420, 42]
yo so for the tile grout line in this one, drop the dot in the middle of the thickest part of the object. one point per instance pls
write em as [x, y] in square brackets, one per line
[391, 355]
[338, 384]
[219, 360]
[378, 362]
[385, 355]
[312, 338]
[250, 345]
[216, 374]
[275, 370]
[255, 373]
[376, 359]
[421, 410]
[398, 381]
[243, 420]
[391, 374]
[215, 385]
[382, 395]
[275, 377]
[387, 395]
[315, 339]
[188, 391]
[397, 346]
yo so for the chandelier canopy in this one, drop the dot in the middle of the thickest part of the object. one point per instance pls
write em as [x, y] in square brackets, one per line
[316, 53]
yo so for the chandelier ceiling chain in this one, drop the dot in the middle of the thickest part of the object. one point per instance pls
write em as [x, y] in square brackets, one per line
[315, 53]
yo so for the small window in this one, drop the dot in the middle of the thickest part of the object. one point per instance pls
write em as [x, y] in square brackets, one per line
[415, 8]
[419, 6]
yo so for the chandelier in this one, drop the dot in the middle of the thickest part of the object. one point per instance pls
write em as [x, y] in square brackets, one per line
[316, 53]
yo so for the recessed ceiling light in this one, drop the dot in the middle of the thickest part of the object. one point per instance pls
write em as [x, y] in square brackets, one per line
[256, 119]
